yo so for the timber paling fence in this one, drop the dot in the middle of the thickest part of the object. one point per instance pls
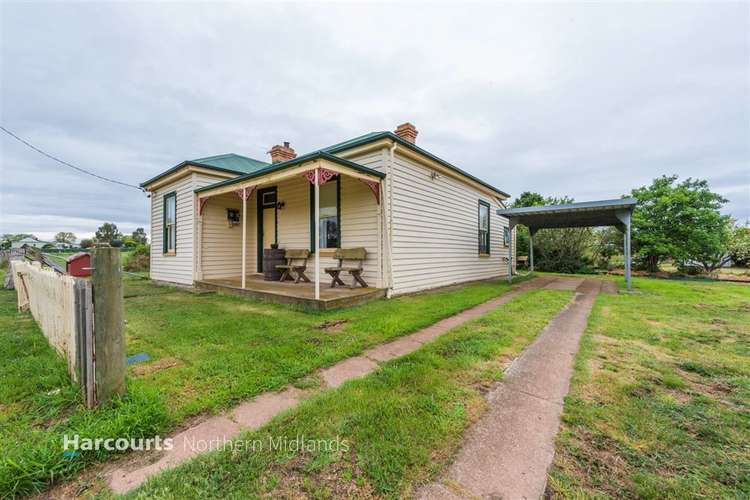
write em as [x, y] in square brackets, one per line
[81, 319]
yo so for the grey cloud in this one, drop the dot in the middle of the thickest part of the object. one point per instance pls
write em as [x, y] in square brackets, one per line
[587, 100]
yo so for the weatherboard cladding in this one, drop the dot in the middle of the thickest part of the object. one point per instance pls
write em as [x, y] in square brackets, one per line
[435, 230]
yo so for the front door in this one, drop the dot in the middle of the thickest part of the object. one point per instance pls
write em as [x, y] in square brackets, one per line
[268, 232]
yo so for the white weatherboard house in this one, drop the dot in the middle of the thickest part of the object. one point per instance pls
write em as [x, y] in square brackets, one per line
[423, 222]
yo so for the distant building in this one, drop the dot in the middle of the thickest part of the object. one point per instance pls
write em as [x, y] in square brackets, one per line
[32, 242]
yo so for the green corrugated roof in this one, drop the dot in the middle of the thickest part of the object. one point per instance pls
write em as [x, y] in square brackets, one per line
[231, 161]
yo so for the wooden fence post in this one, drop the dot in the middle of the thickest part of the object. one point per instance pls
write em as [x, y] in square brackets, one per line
[85, 366]
[109, 340]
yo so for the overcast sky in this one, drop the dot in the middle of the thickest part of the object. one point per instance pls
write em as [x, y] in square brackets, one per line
[586, 100]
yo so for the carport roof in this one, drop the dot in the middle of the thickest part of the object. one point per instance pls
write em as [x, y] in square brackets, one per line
[585, 214]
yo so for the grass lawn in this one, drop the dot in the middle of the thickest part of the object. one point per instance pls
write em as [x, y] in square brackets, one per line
[207, 351]
[660, 400]
[401, 424]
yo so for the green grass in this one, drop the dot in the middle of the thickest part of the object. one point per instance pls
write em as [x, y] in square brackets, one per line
[401, 424]
[660, 401]
[208, 352]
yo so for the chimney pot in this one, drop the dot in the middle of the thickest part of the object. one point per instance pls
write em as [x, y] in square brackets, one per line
[281, 153]
[407, 132]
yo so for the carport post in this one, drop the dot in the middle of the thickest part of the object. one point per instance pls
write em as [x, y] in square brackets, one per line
[511, 225]
[532, 232]
[627, 252]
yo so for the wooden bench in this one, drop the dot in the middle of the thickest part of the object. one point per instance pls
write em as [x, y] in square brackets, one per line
[296, 263]
[354, 257]
[522, 260]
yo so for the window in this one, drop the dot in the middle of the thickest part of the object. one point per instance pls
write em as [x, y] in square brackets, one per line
[506, 236]
[169, 238]
[484, 227]
[330, 215]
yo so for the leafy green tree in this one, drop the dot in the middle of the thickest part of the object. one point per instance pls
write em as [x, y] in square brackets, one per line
[7, 239]
[608, 242]
[525, 199]
[107, 233]
[679, 220]
[739, 246]
[139, 236]
[65, 238]
[87, 243]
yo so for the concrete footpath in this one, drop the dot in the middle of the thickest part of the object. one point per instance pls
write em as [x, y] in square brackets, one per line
[211, 433]
[506, 454]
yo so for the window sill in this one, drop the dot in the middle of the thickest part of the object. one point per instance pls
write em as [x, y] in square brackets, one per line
[484, 255]
[169, 254]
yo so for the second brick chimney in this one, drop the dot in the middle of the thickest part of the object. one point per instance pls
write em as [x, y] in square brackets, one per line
[407, 132]
[282, 153]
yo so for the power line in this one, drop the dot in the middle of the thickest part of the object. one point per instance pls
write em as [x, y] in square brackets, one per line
[82, 170]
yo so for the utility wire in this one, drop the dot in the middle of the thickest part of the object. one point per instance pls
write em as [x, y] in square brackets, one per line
[82, 170]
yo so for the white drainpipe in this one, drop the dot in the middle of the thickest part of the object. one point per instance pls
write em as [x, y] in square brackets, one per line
[389, 222]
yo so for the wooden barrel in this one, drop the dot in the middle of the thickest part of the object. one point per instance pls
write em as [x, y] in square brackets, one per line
[272, 257]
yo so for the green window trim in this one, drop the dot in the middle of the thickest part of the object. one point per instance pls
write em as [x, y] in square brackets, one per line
[483, 241]
[337, 180]
[164, 231]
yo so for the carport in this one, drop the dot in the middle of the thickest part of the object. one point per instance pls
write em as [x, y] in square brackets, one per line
[586, 214]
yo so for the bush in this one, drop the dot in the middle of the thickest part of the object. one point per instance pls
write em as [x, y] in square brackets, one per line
[563, 250]
[739, 247]
[87, 243]
[139, 259]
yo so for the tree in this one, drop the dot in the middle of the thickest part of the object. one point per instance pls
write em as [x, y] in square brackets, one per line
[7, 239]
[526, 199]
[608, 242]
[678, 220]
[739, 246]
[108, 232]
[87, 243]
[139, 236]
[560, 250]
[564, 250]
[65, 238]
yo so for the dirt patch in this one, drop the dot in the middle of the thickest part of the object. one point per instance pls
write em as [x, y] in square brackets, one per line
[332, 325]
[593, 452]
[339, 479]
[159, 364]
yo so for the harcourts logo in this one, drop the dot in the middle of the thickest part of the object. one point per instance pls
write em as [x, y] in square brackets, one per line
[73, 445]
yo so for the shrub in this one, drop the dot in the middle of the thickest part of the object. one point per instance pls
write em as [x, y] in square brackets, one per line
[87, 243]
[139, 259]
[563, 250]
[739, 246]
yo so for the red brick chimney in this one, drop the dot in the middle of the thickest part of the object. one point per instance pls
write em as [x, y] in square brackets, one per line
[282, 153]
[407, 132]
